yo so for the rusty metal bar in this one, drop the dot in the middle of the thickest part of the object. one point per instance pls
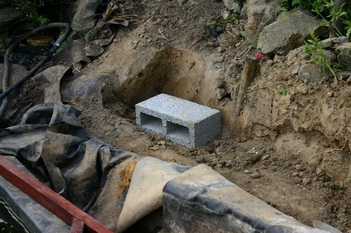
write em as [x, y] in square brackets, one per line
[55, 203]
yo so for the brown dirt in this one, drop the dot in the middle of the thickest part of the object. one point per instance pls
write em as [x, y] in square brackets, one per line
[292, 150]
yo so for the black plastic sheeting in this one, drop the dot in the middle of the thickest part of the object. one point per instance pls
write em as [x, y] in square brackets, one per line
[50, 141]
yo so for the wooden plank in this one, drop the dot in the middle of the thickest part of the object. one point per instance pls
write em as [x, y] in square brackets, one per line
[55, 203]
[247, 77]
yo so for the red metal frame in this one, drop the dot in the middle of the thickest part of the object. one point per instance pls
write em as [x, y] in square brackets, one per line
[56, 204]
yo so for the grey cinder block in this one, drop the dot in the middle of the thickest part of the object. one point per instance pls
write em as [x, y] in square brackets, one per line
[180, 121]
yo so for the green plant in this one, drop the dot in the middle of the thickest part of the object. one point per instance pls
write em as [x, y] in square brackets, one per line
[328, 10]
[253, 40]
[236, 79]
[30, 8]
[315, 47]
[347, 23]
[282, 90]
[253, 150]
[313, 168]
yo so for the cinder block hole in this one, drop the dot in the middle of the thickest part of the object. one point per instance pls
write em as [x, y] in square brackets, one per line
[178, 131]
[171, 71]
[151, 122]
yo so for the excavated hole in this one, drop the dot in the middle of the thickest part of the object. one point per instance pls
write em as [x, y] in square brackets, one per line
[175, 72]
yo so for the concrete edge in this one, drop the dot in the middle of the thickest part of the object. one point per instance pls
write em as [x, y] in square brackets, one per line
[35, 217]
[201, 200]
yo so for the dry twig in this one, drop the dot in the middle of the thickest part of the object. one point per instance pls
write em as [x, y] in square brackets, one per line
[332, 150]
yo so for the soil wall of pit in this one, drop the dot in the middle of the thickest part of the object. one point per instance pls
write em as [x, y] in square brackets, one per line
[309, 121]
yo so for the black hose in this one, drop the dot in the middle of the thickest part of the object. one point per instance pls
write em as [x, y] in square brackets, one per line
[5, 84]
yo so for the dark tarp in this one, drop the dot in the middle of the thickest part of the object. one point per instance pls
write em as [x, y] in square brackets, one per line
[50, 141]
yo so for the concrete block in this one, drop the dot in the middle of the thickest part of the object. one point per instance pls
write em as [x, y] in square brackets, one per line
[180, 121]
[201, 200]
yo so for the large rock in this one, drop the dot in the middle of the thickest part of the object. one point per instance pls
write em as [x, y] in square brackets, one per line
[260, 14]
[84, 18]
[344, 55]
[9, 15]
[288, 32]
[312, 73]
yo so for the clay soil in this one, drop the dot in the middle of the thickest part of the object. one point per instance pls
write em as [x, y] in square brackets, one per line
[279, 155]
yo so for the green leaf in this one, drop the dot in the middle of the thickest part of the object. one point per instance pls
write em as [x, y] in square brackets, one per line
[252, 151]
[282, 90]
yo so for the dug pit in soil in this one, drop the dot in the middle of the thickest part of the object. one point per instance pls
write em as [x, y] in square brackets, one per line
[175, 72]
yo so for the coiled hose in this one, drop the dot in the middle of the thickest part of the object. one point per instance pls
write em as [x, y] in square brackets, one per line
[5, 82]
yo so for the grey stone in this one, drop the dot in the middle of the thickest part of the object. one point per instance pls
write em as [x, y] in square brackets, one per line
[179, 120]
[233, 5]
[311, 73]
[225, 14]
[181, 2]
[255, 175]
[340, 40]
[306, 181]
[247, 33]
[8, 16]
[329, 55]
[288, 32]
[84, 18]
[260, 13]
[344, 56]
[243, 12]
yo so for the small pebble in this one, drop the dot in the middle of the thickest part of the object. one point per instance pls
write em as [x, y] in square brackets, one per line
[306, 181]
[266, 162]
[299, 167]
[295, 174]
[297, 180]
[328, 184]
[255, 175]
